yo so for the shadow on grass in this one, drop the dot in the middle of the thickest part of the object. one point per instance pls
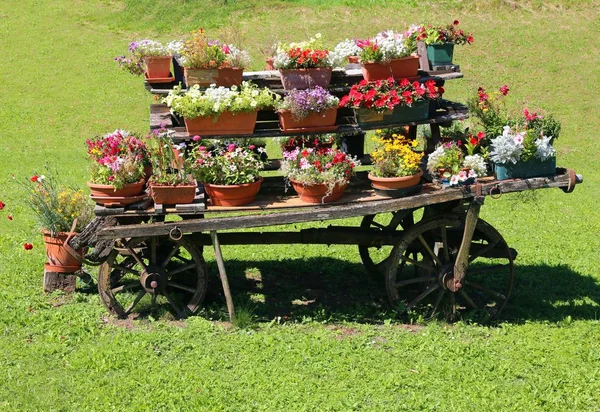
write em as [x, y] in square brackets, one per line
[334, 290]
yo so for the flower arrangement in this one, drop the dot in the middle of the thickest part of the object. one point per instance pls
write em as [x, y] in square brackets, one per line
[197, 52]
[344, 49]
[231, 165]
[169, 164]
[454, 167]
[313, 140]
[384, 95]
[142, 49]
[216, 100]
[447, 156]
[302, 103]
[394, 156]
[303, 55]
[56, 206]
[384, 47]
[431, 34]
[117, 158]
[514, 146]
[318, 166]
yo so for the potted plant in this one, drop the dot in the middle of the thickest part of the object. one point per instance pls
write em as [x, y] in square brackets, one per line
[388, 102]
[171, 182]
[314, 140]
[303, 65]
[522, 154]
[346, 51]
[308, 110]
[117, 168]
[318, 175]
[396, 165]
[220, 110]
[230, 175]
[149, 57]
[450, 163]
[440, 41]
[56, 208]
[209, 62]
[388, 54]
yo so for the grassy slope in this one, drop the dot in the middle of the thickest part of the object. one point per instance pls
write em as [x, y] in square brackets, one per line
[545, 357]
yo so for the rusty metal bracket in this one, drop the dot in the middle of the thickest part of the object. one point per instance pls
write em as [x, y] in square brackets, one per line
[496, 192]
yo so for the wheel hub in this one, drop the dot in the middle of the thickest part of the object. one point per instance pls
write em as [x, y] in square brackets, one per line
[153, 280]
[446, 278]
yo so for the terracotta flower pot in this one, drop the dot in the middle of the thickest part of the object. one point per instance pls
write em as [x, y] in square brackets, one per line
[406, 67]
[232, 195]
[129, 190]
[376, 71]
[305, 78]
[226, 77]
[319, 192]
[314, 122]
[269, 62]
[226, 124]
[390, 183]
[59, 260]
[158, 67]
[353, 59]
[172, 195]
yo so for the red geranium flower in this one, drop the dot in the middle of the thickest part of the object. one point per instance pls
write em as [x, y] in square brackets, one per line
[504, 90]
[2, 205]
[34, 178]
[456, 22]
[27, 246]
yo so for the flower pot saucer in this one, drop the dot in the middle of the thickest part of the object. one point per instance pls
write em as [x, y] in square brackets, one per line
[396, 193]
[117, 201]
[151, 80]
[314, 129]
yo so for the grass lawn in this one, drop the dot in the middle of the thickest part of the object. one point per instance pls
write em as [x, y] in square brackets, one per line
[322, 337]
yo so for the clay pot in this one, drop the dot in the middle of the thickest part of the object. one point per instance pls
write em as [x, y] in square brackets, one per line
[158, 67]
[353, 59]
[232, 195]
[129, 190]
[172, 195]
[314, 122]
[269, 62]
[319, 192]
[391, 183]
[226, 124]
[305, 78]
[406, 67]
[59, 260]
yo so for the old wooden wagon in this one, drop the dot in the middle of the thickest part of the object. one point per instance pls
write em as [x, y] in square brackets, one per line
[430, 248]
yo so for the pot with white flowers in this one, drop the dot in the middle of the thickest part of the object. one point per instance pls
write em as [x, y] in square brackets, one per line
[171, 182]
[230, 174]
[220, 110]
[318, 175]
[151, 58]
[522, 154]
[309, 110]
[454, 167]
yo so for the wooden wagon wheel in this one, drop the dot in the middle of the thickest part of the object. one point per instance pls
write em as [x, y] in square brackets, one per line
[421, 268]
[375, 257]
[156, 272]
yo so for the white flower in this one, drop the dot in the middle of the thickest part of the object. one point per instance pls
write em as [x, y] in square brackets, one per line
[518, 138]
[476, 163]
[454, 180]
[41, 178]
[544, 148]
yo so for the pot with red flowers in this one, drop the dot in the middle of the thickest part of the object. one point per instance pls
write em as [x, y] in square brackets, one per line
[440, 41]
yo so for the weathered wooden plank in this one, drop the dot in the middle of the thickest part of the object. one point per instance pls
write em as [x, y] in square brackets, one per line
[328, 211]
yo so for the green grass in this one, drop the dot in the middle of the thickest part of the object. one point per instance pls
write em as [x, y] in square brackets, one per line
[317, 333]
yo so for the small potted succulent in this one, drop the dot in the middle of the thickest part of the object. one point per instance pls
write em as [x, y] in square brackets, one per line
[230, 174]
[220, 110]
[388, 102]
[522, 154]
[303, 65]
[209, 62]
[440, 41]
[318, 175]
[308, 110]
[388, 54]
[171, 182]
[396, 164]
[149, 57]
[56, 208]
[117, 168]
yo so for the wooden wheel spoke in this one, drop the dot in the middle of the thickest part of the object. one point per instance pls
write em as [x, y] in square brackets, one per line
[179, 312]
[184, 260]
[180, 269]
[123, 288]
[482, 251]
[137, 299]
[438, 300]
[153, 245]
[414, 280]
[419, 264]
[435, 257]
[177, 285]
[422, 295]
[468, 299]
[168, 258]
[487, 269]
[445, 244]
[485, 289]
[125, 269]
[136, 257]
